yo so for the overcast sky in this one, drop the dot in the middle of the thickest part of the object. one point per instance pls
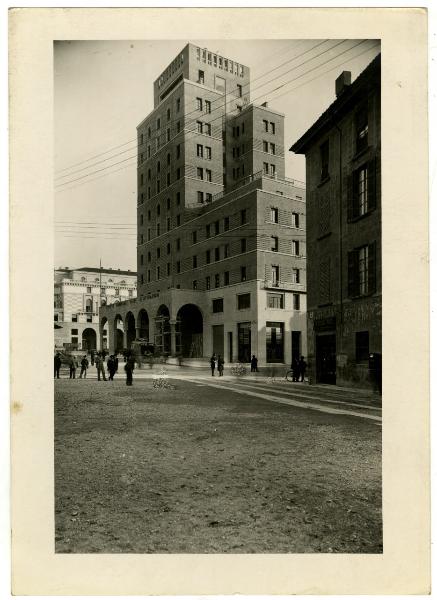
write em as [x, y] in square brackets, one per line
[103, 90]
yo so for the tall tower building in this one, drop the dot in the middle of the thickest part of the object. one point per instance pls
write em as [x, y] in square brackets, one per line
[221, 230]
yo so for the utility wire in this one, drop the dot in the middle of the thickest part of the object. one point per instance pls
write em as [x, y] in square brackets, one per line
[194, 132]
[195, 111]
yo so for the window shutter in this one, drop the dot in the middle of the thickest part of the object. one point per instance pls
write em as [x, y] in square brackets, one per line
[371, 184]
[351, 197]
[372, 268]
[352, 273]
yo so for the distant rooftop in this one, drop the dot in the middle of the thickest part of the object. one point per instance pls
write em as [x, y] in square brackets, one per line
[98, 270]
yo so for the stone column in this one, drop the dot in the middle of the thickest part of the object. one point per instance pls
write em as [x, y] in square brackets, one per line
[173, 338]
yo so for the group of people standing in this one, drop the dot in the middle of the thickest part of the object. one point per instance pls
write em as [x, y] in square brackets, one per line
[97, 359]
[298, 367]
[217, 362]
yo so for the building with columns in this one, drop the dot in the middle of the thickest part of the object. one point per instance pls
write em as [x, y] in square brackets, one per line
[221, 248]
[78, 294]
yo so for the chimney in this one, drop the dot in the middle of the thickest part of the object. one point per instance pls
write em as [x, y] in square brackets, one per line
[342, 82]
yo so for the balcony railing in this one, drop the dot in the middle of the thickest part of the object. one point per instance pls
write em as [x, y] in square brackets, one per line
[283, 285]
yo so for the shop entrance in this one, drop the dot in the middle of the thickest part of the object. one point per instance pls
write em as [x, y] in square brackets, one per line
[326, 358]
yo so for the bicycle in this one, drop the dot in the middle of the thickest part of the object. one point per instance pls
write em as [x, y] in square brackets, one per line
[289, 376]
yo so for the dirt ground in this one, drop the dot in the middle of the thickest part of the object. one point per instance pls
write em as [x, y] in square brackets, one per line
[193, 470]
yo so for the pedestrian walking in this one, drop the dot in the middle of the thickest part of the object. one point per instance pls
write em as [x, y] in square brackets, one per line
[58, 363]
[111, 367]
[83, 367]
[220, 363]
[73, 367]
[129, 368]
[302, 368]
[254, 364]
[213, 363]
[295, 368]
[100, 366]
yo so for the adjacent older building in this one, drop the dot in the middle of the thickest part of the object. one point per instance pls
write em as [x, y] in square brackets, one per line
[221, 231]
[343, 177]
[78, 294]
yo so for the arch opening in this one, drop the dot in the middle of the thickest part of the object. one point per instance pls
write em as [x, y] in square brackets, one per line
[130, 330]
[89, 339]
[189, 331]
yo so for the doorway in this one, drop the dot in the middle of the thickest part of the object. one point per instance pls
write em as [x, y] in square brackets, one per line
[326, 358]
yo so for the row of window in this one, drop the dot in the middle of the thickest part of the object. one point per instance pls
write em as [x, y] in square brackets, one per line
[269, 126]
[361, 129]
[172, 68]
[275, 301]
[202, 104]
[220, 62]
[204, 152]
[217, 277]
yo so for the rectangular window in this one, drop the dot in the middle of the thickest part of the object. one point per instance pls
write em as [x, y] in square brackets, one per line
[158, 273]
[178, 266]
[295, 275]
[178, 198]
[168, 248]
[272, 128]
[199, 173]
[200, 197]
[362, 346]
[361, 192]
[199, 103]
[194, 262]
[168, 134]
[207, 128]
[178, 173]
[200, 150]
[208, 257]
[239, 90]
[178, 244]
[208, 283]
[217, 280]
[265, 147]
[296, 301]
[178, 104]
[168, 269]
[178, 127]
[226, 251]
[243, 245]
[361, 129]
[243, 216]
[149, 275]
[275, 274]
[158, 253]
[266, 126]
[324, 160]
[168, 179]
[295, 220]
[266, 168]
[295, 248]
[208, 154]
[208, 231]
[208, 197]
[178, 151]
[158, 123]
[195, 284]
[216, 227]
[158, 229]
[243, 273]
[226, 224]
[178, 220]
[194, 237]
[274, 243]
[88, 290]
[149, 234]
[217, 254]
[272, 148]
[217, 305]
[272, 170]
[207, 106]
[274, 342]
[275, 300]
[74, 332]
[243, 301]
[208, 175]
[201, 77]
[274, 214]
[226, 277]
[199, 126]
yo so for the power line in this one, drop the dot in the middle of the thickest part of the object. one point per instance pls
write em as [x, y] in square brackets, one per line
[221, 116]
[173, 121]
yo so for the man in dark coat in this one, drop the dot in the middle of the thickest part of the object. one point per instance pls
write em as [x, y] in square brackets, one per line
[254, 364]
[220, 363]
[100, 366]
[295, 368]
[213, 362]
[111, 367]
[58, 363]
[73, 367]
[302, 368]
[129, 368]
[83, 367]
